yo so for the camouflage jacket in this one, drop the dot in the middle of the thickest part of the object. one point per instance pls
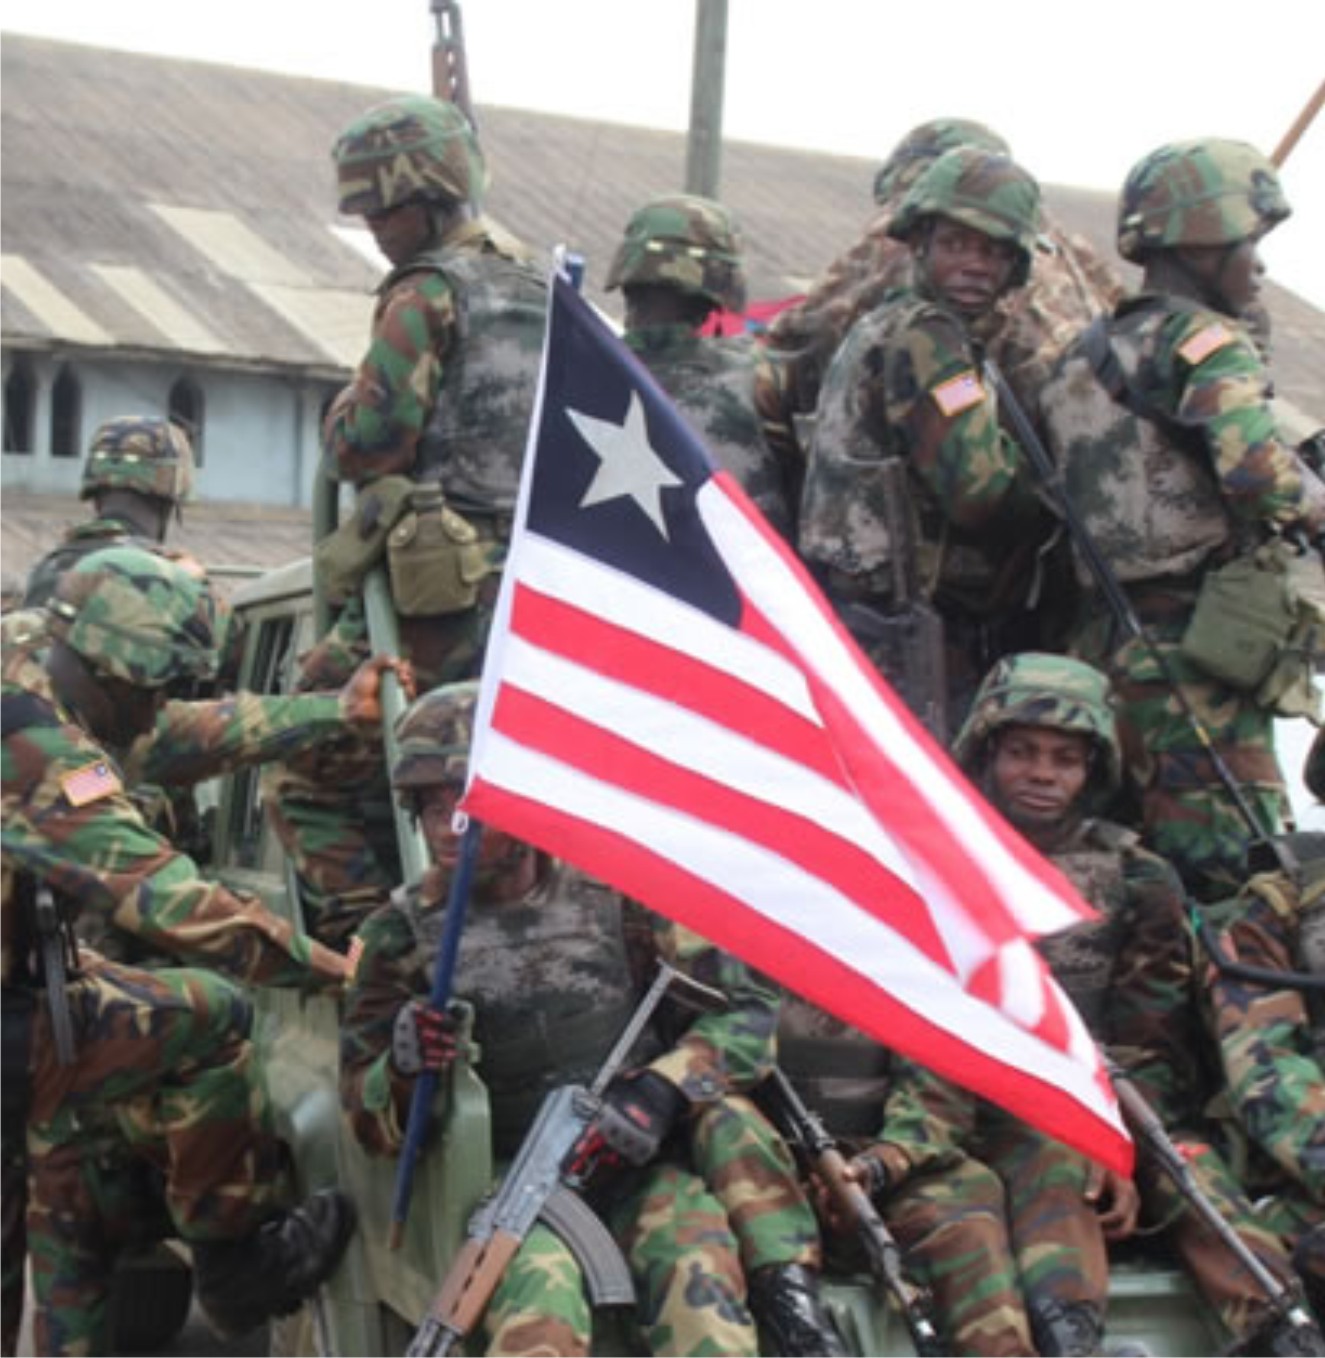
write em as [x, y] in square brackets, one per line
[1272, 1041]
[1162, 496]
[907, 384]
[376, 425]
[68, 820]
[554, 977]
[733, 393]
[78, 541]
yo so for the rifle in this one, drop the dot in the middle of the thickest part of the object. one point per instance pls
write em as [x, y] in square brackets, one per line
[1121, 606]
[805, 1132]
[450, 66]
[1145, 1123]
[59, 960]
[543, 1184]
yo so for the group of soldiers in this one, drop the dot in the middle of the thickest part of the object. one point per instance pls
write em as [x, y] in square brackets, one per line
[1061, 520]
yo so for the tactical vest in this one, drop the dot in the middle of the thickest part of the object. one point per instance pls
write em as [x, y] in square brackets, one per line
[1144, 488]
[1083, 956]
[475, 437]
[550, 983]
[712, 382]
[78, 543]
[839, 1072]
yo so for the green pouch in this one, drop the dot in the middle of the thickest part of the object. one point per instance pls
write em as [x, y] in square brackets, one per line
[1290, 690]
[344, 557]
[1244, 615]
[435, 558]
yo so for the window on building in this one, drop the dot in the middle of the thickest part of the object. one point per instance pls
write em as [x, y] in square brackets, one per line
[66, 414]
[20, 406]
[187, 409]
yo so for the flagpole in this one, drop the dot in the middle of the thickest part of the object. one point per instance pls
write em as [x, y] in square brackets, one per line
[425, 1088]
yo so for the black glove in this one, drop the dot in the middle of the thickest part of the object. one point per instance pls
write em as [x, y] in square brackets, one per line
[638, 1112]
[422, 1038]
[875, 1179]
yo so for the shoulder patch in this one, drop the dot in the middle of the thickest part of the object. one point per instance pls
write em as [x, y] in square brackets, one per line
[959, 393]
[91, 783]
[1208, 339]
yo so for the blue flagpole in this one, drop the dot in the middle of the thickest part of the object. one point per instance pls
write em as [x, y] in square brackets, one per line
[425, 1088]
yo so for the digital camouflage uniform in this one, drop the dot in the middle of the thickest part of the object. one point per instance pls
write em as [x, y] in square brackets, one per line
[553, 977]
[163, 1056]
[443, 396]
[1069, 283]
[730, 390]
[1206, 474]
[906, 385]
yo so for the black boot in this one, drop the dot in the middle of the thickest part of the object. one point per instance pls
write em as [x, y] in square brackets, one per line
[784, 1299]
[243, 1283]
[1071, 1329]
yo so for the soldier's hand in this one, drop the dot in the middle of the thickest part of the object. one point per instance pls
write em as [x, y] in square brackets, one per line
[361, 698]
[1116, 1202]
[638, 1111]
[422, 1038]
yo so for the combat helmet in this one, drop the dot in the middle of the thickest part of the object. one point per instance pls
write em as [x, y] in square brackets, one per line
[407, 149]
[1208, 192]
[1036, 688]
[135, 616]
[926, 143]
[685, 242]
[433, 736]
[984, 190]
[140, 452]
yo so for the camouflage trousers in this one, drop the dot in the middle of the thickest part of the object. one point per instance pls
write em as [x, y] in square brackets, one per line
[998, 1227]
[1220, 1278]
[1189, 816]
[159, 1126]
[748, 1168]
[684, 1261]
[330, 806]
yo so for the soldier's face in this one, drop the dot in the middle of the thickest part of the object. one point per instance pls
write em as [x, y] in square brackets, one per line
[436, 812]
[401, 232]
[1233, 274]
[966, 269]
[1037, 774]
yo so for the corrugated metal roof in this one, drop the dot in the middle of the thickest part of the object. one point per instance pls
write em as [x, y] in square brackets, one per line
[47, 304]
[176, 322]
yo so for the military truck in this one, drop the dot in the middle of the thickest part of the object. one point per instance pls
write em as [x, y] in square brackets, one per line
[380, 1294]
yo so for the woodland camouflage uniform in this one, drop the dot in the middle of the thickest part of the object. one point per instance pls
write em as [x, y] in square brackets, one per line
[731, 390]
[162, 1055]
[907, 385]
[553, 977]
[1178, 477]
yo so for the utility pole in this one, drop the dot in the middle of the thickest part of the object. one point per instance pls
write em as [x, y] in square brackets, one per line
[704, 146]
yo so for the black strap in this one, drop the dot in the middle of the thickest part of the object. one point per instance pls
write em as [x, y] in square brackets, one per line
[19, 711]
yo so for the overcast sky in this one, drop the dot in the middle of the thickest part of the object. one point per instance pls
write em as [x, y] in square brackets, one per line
[1078, 104]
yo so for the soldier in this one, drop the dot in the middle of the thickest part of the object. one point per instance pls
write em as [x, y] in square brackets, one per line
[1160, 420]
[679, 262]
[914, 494]
[1271, 1040]
[1041, 743]
[1068, 286]
[546, 959]
[138, 474]
[432, 432]
[165, 1053]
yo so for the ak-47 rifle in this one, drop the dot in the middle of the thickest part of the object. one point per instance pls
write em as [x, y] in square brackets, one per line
[543, 1184]
[450, 65]
[806, 1134]
[1111, 587]
[1149, 1130]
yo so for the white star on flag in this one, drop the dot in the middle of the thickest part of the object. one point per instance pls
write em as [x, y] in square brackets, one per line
[627, 464]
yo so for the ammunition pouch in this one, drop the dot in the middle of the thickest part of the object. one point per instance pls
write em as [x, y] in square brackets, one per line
[434, 557]
[344, 557]
[1259, 626]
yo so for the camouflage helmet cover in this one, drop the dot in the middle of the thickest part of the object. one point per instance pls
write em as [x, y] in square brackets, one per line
[433, 736]
[985, 190]
[140, 452]
[1208, 192]
[926, 143]
[685, 242]
[1039, 689]
[408, 148]
[136, 616]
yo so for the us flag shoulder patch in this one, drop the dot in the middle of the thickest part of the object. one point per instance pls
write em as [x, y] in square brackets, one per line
[959, 393]
[90, 783]
[1208, 339]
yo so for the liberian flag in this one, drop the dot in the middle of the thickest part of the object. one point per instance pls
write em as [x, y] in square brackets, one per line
[669, 703]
